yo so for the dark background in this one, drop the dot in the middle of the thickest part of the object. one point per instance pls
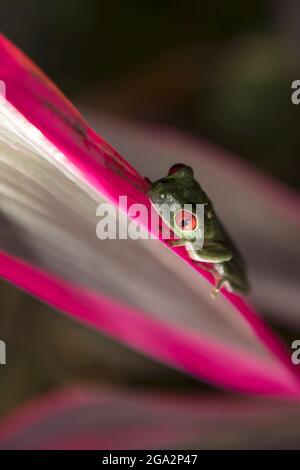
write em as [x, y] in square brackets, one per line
[220, 70]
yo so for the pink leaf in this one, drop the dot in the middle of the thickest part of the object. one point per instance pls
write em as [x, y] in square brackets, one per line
[93, 418]
[55, 170]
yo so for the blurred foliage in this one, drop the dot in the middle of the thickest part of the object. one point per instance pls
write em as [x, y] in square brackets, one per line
[222, 70]
[47, 350]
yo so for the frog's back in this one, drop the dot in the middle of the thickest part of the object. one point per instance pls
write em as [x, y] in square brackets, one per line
[233, 270]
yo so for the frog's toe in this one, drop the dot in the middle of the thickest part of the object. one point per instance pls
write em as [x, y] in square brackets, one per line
[214, 292]
[222, 282]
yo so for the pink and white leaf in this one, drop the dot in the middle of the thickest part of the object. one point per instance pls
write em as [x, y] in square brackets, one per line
[54, 172]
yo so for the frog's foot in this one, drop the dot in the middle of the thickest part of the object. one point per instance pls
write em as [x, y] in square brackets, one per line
[218, 287]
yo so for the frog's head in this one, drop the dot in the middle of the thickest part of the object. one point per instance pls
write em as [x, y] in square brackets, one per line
[170, 194]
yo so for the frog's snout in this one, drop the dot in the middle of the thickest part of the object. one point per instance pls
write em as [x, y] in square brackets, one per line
[156, 192]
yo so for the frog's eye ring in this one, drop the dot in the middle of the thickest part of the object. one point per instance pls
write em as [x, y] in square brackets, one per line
[186, 221]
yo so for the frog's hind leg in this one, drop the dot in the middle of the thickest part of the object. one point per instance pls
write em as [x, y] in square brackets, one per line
[209, 267]
[233, 276]
[219, 285]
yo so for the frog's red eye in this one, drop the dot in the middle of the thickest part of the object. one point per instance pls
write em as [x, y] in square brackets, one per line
[186, 220]
[175, 168]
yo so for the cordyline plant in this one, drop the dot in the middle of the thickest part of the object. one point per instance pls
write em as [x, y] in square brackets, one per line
[55, 171]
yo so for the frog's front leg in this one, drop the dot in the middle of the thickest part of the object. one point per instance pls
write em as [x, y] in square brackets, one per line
[211, 252]
[178, 242]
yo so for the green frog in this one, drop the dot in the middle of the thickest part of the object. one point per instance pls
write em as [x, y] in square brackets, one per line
[217, 253]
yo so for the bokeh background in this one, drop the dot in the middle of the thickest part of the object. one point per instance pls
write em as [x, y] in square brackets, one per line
[222, 70]
[218, 70]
